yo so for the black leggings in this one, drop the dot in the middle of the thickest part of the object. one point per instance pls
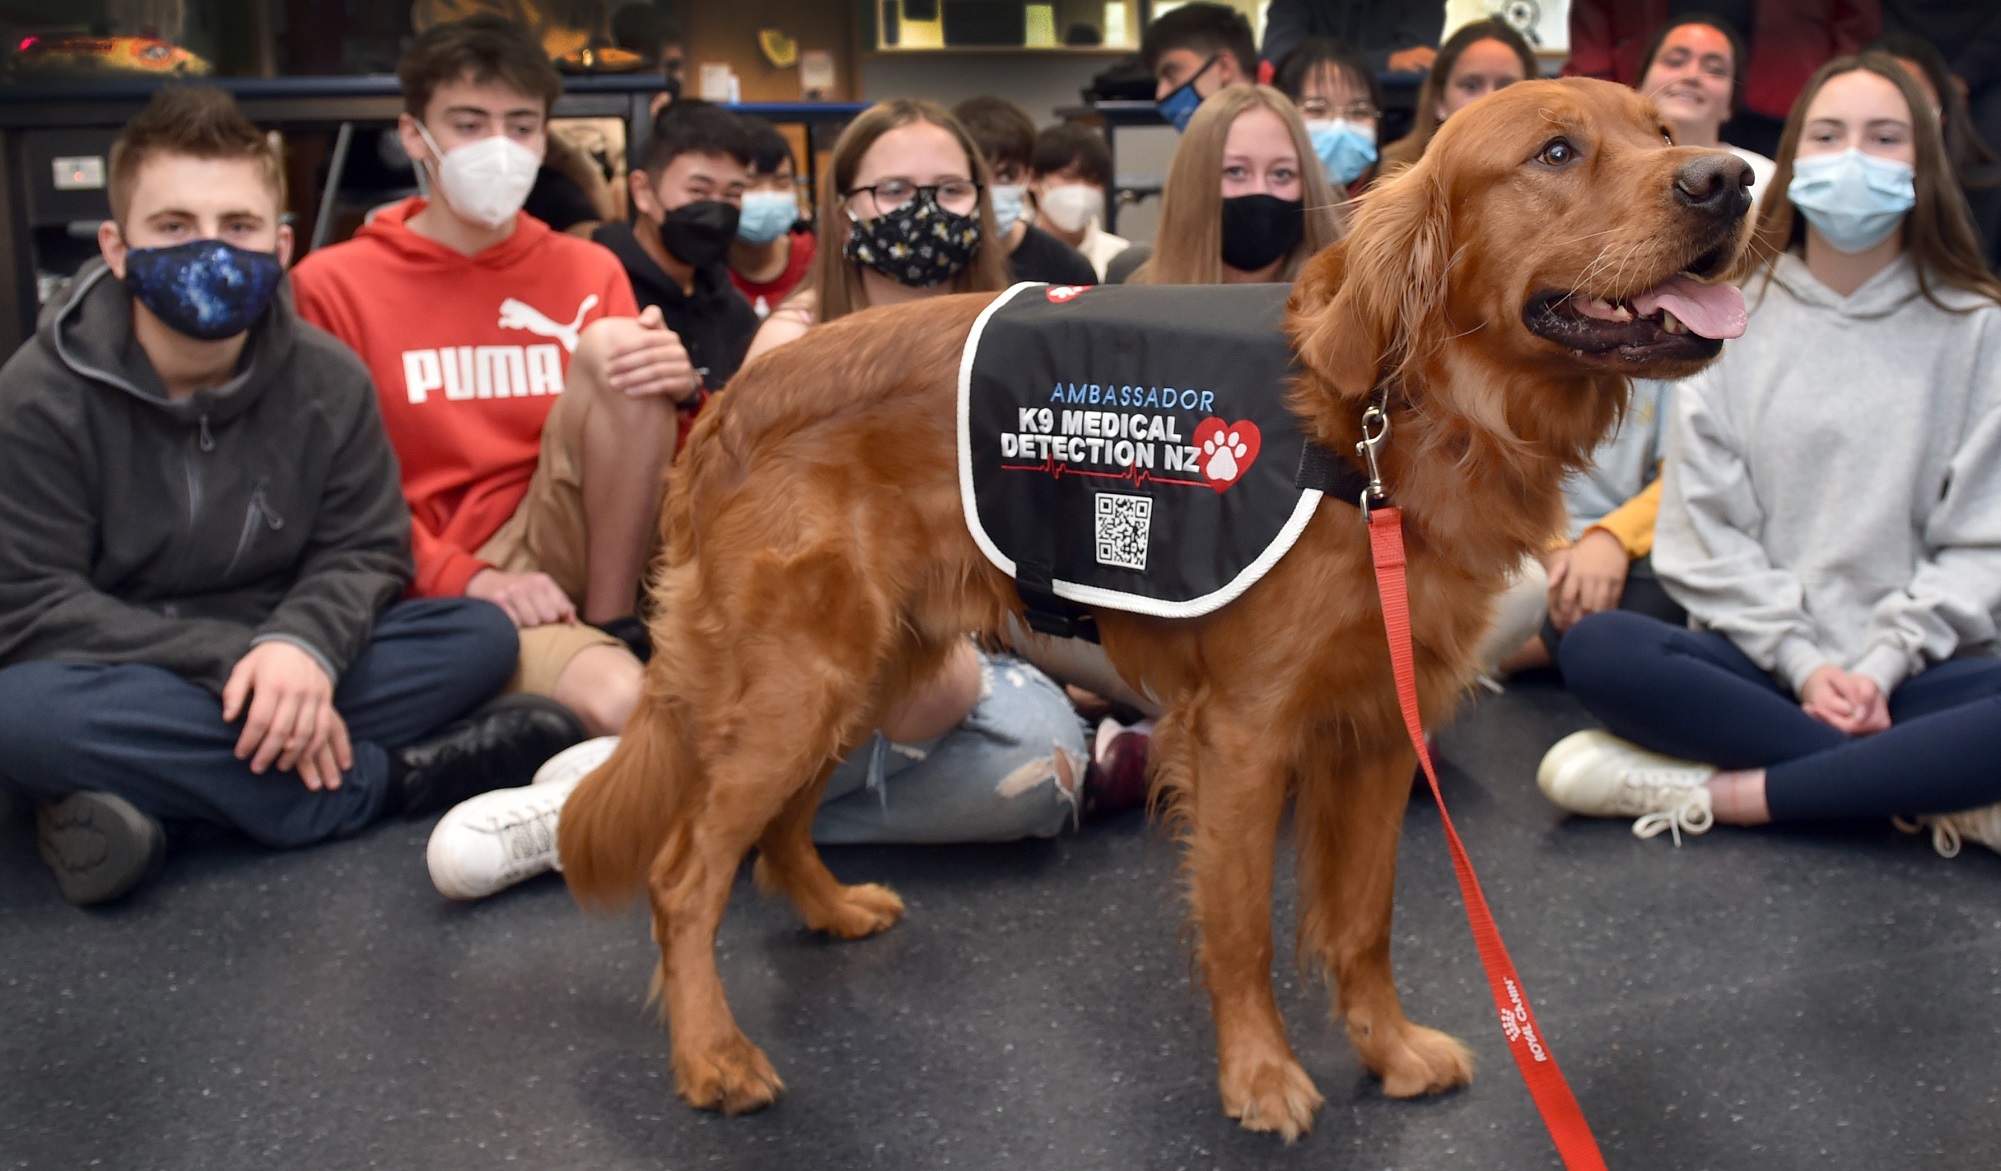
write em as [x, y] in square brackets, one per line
[1693, 694]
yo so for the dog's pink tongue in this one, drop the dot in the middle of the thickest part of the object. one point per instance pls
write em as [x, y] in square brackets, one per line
[1715, 311]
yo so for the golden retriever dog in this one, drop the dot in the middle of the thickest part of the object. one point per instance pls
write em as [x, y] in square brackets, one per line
[817, 566]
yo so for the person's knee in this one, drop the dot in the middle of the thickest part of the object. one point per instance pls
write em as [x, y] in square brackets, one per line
[43, 709]
[601, 684]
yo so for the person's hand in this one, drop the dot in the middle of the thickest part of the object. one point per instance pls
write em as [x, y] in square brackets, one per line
[643, 357]
[531, 599]
[290, 720]
[1851, 704]
[1415, 59]
[1591, 579]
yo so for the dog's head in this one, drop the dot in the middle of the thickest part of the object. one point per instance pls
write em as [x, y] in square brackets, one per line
[1552, 228]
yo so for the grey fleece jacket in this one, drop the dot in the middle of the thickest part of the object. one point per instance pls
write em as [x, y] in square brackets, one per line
[137, 529]
[1833, 482]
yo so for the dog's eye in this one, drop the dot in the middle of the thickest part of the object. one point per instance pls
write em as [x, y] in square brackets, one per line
[1558, 153]
[1667, 136]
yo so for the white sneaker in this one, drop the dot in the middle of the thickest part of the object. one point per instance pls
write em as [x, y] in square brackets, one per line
[1596, 774]
[577, 761]
[492, 841]
[1981, 825]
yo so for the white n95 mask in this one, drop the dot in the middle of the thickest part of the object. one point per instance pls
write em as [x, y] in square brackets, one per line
[487, 180]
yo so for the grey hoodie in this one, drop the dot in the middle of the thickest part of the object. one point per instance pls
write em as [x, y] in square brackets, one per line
[1833, 482]
[138, 529]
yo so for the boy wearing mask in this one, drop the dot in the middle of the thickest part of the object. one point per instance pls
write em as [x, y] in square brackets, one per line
[1194, 51]
[688, 197]
[531, 412]
[202, 543]
[774, 243]
[1006, 136]
[1073, 171]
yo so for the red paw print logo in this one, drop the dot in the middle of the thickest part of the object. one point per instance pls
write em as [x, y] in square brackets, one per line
[1227, 450]
[1061, 293]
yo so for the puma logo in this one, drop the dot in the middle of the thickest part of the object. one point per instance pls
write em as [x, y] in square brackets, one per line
[521, 315]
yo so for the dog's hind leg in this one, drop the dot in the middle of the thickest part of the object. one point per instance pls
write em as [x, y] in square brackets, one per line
[789, 863]
[1350, 816]
[1227, 781]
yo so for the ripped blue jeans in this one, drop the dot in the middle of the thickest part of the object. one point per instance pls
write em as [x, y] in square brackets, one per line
[996, 777]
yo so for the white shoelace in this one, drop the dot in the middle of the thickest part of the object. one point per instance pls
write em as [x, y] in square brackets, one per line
[1686, 809]
[1945, 835]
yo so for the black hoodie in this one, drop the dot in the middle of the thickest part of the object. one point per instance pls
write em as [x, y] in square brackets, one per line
[139, 529]
[715, 323]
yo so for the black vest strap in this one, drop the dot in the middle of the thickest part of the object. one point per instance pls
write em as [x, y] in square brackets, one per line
[1334, 477]
[1047, 613]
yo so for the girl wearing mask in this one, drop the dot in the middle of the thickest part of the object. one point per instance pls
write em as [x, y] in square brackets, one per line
[1830, 516]
[1072, 171]
[1336, 92]
[1475, 61]
[905, 215]
[1245, 198]
[1694, 71]
[774, 243]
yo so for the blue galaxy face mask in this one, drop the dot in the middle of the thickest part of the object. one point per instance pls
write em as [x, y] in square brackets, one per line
[205, 289]
[1853, 199]
[1345, 149]
[1180, 104]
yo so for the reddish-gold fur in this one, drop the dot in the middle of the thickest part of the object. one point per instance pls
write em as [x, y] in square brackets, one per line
[817, 566]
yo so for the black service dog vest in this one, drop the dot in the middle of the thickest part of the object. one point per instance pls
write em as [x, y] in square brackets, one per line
[1129, 446]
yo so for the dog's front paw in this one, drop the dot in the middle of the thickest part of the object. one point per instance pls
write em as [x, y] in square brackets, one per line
[1413, 1060]
[734, 1077]
[1270, 1094]
[859, 911]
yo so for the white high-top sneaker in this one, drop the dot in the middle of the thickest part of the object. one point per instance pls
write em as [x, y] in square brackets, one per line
[1596, 774]
[492, 841]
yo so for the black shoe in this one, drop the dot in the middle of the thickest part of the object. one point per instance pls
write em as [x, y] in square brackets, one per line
[497, 747]
[99, 846]
[631, 631]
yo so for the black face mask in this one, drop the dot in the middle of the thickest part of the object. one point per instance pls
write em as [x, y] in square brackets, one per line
[919, 244]
[1258, 229]
[699, 234]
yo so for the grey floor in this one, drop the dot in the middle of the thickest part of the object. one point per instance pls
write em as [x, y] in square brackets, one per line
[1753, 1000]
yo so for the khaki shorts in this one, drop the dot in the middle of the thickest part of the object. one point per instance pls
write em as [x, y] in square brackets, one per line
[546, 535]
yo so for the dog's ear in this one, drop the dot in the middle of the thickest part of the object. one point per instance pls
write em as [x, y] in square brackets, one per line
[1364, 307]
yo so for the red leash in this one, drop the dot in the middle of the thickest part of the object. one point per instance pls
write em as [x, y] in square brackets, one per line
[1553, 1099]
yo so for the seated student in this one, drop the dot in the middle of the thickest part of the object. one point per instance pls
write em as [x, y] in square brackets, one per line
[1606, 559]
[774, 243]
[1070, 174]
[1974, 163]
[201, 546]
[1245, 198]
[532, 415]
[1830, 515]
[1006, 136]
[1694, 71]
[990, 751]
[1194, 51]
[1338, 96]
[1475, 61]
[686, 194]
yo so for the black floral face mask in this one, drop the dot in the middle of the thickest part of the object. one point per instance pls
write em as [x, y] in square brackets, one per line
[919, 244]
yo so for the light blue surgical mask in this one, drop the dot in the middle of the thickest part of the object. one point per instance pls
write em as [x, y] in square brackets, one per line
[1181, 103]
[766, 216]
[1853, 199]
[1008, 200]
[1345, 149]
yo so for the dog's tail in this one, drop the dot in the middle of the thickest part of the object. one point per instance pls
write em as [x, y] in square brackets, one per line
[621, 816]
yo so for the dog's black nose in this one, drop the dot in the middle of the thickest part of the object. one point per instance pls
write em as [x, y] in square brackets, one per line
[1719, 184]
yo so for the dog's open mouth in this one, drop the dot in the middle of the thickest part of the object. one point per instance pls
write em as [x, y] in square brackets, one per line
[1680, 319]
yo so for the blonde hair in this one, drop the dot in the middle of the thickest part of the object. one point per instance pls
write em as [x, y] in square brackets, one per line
[833, 287]
[1189, 248]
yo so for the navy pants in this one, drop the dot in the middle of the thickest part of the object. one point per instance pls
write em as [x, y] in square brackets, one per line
[159, 741]
[1693, 694]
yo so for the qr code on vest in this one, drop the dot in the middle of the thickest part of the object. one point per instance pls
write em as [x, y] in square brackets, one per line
[1123, 525]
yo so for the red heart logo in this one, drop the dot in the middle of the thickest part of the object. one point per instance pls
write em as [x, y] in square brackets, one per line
[1062, 293]
[1225, 451]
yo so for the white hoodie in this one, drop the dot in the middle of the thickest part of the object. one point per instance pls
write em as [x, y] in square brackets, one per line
[1833, 482]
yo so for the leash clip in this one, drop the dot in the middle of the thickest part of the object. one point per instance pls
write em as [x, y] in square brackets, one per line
[1375, 434]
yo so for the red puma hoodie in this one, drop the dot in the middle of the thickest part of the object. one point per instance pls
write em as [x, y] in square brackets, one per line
[467, 353]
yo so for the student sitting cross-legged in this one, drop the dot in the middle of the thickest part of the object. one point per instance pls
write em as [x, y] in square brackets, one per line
[202, 541]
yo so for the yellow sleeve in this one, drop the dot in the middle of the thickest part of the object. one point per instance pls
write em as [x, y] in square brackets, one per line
[1632, 523]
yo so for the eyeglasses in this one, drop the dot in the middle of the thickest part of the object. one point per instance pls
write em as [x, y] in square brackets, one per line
[1356, 111]
[958, 196]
